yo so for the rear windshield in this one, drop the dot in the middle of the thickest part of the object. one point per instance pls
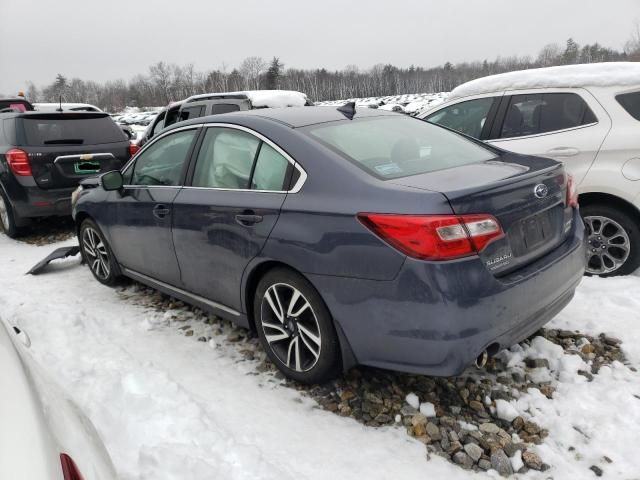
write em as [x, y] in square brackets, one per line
[394, 147]
[40, 131]
[631, 103]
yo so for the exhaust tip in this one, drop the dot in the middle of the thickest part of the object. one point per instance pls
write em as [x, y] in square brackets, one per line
[481, 360]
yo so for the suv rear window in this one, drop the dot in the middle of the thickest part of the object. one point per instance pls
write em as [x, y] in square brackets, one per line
[217, 108]
[86, 130]
[631, 103]
[394, 147]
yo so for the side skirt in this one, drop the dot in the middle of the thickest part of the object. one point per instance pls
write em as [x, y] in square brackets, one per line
[205, 304]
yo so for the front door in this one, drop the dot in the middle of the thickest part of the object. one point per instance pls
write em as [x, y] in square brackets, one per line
[141, 236]
[223, 219]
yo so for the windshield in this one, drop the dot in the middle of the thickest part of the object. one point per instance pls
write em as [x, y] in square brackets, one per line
[394, 147]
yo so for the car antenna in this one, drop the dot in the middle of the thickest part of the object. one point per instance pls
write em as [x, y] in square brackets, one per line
[348, 110]
[60, 108]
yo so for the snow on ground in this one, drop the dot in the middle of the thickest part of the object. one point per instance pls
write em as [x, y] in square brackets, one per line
[168, 407]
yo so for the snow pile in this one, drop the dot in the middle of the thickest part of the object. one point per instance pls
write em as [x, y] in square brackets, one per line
[591, 74]
[276, 98]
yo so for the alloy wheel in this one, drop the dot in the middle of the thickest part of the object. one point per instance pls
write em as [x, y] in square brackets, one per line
[290, 327]
[608, 245]
[4, 214]
[97, 253]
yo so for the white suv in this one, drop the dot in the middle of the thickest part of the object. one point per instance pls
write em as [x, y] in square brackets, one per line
[587, 116]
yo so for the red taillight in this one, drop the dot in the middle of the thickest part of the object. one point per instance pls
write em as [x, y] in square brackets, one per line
[69, 469]
[18, 161]
[434, 237]
[572, 195]
[133, 149]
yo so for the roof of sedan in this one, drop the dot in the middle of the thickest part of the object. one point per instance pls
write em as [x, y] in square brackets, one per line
[293, 116]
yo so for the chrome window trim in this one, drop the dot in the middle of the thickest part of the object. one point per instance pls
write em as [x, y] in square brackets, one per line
[295, 189]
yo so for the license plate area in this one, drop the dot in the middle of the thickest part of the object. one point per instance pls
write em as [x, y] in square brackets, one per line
[536, 230]
[86, 168]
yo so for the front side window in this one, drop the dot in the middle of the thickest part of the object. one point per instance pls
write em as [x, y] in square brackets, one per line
[532, 114]
[225, 159]
[191, 112]
[465, 117]
[631, 103]
[161, 164]
[394, 147]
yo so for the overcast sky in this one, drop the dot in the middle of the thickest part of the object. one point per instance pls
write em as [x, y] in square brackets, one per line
[109, 39]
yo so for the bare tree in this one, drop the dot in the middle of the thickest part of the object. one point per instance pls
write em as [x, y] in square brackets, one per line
[251, 68]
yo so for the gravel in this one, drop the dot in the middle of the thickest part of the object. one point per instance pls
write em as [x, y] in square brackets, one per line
[466, 428]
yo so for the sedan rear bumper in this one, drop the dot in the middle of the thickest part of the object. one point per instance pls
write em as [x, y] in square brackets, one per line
[435, 318]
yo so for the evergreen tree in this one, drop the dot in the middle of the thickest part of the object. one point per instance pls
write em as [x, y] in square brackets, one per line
[273, 74]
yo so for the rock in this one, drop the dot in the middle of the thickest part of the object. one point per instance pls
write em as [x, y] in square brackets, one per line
[532, 428]
[611, 341]
[424, 439]
[383, 418]
[476, 405]
[428, 409]
[532, 460]
[484, 464]
[596, 470]
[454, 448]
[547, 390]
[445, 443]
[536, 363]
[501, 463]
[347, 395]
[473, 451]
[518, 423]
[455, 409]
[408, 410]
[517, 377]
[511, 448]
[463, 460]
[588, 348]
[188, 333]
[419, 419]
[489, 428]
[433, 431]
[234, 337]
[413, 400]
[202, 339]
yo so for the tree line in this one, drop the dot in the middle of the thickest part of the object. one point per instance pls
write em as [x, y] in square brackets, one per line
[167, 82]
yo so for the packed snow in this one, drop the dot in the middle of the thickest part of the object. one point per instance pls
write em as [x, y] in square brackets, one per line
[591, 74]
[169, 407]
[410, 103]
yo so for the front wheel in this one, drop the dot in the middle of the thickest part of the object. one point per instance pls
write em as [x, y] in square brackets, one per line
[97, 254]
[613, 241]
[295, 327]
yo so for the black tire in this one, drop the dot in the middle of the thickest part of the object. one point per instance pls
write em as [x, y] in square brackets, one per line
[308, 331]
[8, 220]
[619, 262]
[97, 254]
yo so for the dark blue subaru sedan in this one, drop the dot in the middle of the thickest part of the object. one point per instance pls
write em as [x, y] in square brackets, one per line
[342, 237]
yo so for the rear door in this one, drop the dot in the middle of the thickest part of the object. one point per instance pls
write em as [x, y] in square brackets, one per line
[64, 148]
[568, 125]
[141, 235]
[473, 117]
[223, 218]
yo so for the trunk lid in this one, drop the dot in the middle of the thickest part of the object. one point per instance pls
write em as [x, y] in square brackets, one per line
[527, 195]
[64, 148]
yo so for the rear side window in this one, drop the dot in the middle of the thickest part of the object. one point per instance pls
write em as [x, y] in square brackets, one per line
[41, 131]
[394, 147]
[225, 159]
[545, 112]
[217, 108]
[270, 172]
[464, 117]
[191, 112]
[631, 103]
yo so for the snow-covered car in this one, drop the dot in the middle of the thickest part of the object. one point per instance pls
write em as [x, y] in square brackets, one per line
[66, 107]
[587, 116]
[59, 445]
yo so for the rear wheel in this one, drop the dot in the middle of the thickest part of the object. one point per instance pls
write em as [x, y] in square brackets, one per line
[295, 327]
[613, 241]
[8, 218]
[97, 254]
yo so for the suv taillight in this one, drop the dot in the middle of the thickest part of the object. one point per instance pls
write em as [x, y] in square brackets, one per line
[434, 237]
[69, 469]
[572, 195]
[18, 161]
[133, 149]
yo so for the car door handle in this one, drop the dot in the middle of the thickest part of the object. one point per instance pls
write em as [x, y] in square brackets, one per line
[160, 211]
[563, 152]
[248, 219]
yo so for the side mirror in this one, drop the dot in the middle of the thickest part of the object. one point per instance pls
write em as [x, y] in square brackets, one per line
[112, 180]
